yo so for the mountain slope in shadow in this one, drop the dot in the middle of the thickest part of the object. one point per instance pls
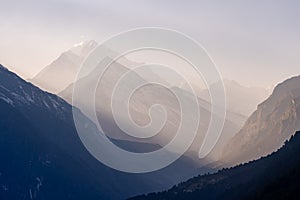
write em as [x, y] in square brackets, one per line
[42, 157]
[276, 176]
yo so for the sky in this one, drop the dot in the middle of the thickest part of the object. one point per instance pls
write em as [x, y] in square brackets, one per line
[254, 42]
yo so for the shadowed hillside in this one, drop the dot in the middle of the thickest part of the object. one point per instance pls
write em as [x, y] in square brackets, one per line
[276, 176]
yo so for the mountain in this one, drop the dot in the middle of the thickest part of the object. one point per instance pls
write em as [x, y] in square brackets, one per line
[140, 103]
[273, 177]
[62, 71]
[59, 77]
[42, 157]
[240, 99]
[269, 126]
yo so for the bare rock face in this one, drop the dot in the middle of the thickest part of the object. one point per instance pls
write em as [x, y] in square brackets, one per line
[274, 121]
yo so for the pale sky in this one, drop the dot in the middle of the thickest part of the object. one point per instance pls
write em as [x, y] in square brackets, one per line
[253, 42]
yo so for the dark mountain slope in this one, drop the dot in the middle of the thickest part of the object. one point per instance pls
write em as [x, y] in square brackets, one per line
[42, 156]
[273, 177]
[31, 168]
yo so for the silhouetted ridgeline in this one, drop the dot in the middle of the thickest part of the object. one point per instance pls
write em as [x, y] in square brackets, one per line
[276, 176]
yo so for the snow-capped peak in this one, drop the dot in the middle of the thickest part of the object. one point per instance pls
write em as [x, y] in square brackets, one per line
[90, 43]
[82, 48]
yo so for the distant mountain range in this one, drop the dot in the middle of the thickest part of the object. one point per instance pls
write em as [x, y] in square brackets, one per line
[64, 69]
[276, 176]
[274, 121]
[139, 106]
[240, 99]
[42, 156]
[57, 76]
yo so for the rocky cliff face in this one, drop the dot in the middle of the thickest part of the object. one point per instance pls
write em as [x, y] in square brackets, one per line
[269, 126]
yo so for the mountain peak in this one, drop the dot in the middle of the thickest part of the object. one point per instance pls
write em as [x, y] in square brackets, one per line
[289, 84]
[86, 43]
[229, 81]
[83, 48]
[64, 69]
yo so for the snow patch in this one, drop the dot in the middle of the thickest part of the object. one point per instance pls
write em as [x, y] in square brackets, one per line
[4, 187]
[7, 100]
[39, 184]
[30, 194]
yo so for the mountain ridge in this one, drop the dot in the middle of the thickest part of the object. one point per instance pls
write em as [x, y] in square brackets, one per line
[269, 126]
